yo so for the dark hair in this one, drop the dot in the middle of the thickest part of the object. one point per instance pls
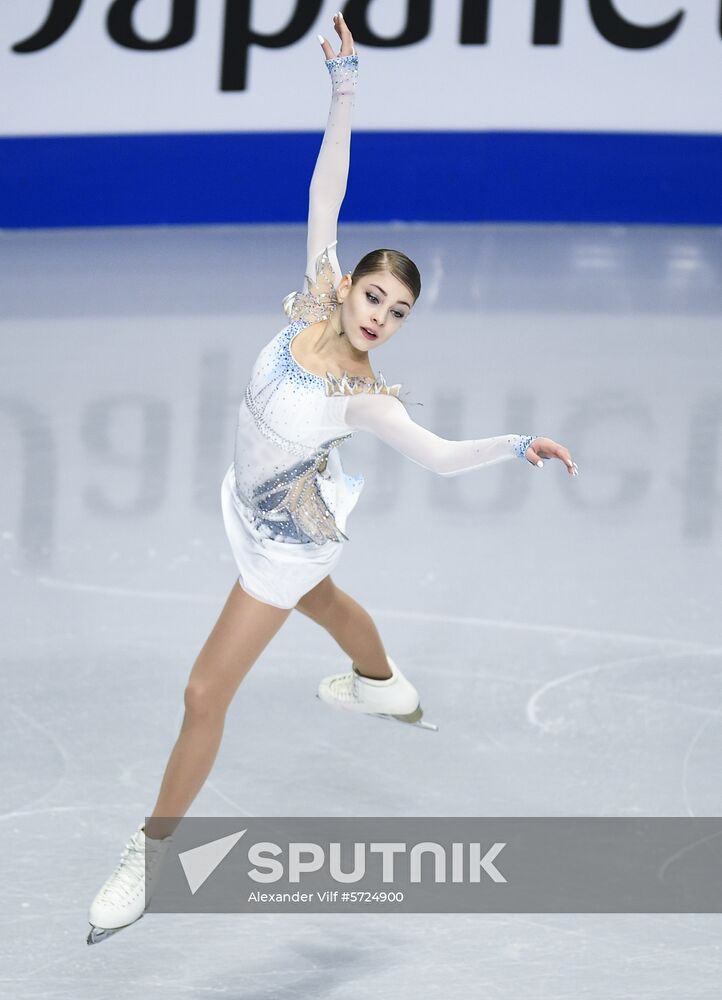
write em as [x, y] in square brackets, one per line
[396, 263]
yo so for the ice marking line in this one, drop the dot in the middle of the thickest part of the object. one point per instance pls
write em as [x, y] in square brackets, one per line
[51, 739]
[685, 762]
[227, 799]
[686, 644]
[422, 616]
[152, 595]
[648, 699]
[685, 850]
[22, 813]
[551, 929]
[532, 713]
[492, 739]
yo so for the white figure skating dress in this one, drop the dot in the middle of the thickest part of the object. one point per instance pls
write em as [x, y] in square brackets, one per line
[285, 497]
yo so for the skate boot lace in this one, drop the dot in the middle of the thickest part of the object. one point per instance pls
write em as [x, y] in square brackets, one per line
[345, 688]
[129, 871]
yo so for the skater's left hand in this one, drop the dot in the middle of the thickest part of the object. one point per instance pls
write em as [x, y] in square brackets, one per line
[543, 447]
[344, 34]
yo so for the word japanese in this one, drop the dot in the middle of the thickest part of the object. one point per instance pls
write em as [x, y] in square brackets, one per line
[239, 35]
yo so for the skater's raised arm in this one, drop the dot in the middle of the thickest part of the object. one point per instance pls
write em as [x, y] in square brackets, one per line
[386, 417]
[328, 184]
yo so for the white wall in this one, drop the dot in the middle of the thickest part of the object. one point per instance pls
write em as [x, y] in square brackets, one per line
[85, 83]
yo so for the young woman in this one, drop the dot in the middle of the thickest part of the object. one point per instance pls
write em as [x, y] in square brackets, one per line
[285, 498]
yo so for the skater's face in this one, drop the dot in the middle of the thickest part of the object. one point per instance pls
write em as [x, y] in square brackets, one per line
[376, 304]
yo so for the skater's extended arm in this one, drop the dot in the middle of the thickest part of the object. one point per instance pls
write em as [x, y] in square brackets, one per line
[328, 184]
[387, 418]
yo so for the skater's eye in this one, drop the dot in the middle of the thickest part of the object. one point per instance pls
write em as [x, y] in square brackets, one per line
[372, 298]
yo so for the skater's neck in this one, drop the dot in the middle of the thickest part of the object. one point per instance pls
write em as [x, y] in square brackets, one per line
[325, 348]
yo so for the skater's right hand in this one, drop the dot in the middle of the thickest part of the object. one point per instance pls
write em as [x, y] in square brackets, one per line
[344, 34]
[543, 447]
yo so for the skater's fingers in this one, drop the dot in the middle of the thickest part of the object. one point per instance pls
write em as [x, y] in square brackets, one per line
[342, 30]
[563, 455]
[326, 46]
[546, 448]
[555, 450]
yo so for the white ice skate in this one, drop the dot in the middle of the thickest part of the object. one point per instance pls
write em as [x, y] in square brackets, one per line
[123, 898]
[394, 698]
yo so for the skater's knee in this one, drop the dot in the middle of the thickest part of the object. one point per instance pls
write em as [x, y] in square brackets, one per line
[203, 700]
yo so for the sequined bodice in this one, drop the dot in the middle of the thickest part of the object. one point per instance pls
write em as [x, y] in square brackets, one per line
[289, 478]
[288, 474]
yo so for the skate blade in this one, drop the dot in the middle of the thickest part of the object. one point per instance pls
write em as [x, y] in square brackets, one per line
[98, 934]
[411, 719]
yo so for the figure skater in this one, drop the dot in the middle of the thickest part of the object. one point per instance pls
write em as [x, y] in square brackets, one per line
[285, 497]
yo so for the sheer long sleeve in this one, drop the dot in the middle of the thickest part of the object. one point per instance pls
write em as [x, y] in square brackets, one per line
[328, 184]
[386, 417]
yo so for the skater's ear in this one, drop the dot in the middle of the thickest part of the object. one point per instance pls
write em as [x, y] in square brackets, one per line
[344, 287]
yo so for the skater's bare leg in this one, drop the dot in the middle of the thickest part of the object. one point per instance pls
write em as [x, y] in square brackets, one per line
[351, 626]
[243, 630]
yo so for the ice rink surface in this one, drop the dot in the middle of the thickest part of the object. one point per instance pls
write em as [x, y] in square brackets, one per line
[564, 633]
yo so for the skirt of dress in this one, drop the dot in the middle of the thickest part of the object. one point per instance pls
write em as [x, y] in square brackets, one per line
[277, 573]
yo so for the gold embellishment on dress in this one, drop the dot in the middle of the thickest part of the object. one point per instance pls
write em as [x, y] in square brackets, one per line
[313, 308]
[294, 497]
[309, 511]
[320, 300]
[348, 385]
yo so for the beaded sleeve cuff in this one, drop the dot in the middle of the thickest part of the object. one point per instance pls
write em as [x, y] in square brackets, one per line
[523, 443]
[344, 73]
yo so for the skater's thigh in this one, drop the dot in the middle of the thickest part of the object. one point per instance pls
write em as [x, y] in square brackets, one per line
[244, 628]
[317, 601]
